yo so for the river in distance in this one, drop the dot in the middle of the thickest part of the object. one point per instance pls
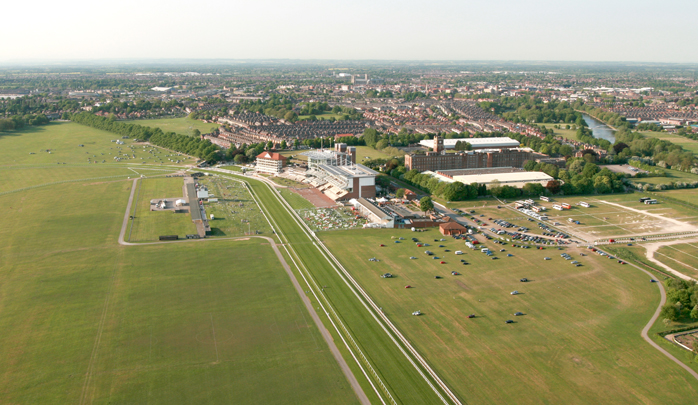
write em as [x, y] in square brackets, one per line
[599, 129]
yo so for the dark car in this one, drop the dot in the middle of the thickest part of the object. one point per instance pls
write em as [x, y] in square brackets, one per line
[471, 316]
[523, 280]
[509, 321]
[518, 314]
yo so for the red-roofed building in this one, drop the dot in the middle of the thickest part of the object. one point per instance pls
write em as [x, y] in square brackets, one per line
[452, 228]
[270, 162]
[340, 136]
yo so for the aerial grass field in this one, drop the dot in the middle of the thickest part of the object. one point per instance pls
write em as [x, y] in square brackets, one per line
[85, 320]
[577, 342]
[680, 257]
[324, 116]
[565, 133]
[671, 176]
[148, 225]
[183, 126]
[689, 195]
[31, 147]
[235, 213]
[686, 143]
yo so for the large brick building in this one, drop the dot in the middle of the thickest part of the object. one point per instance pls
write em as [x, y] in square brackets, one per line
[477, 159]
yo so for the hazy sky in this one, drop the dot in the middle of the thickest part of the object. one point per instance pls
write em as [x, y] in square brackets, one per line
[561, 30]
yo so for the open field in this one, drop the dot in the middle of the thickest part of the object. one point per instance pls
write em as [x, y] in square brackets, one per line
[686, 143]
[689, 195]
[183, 126]
[573, 345]
[620, 215]
[235, 213]
[672, 176]
[324, 116]
[62, 140]
[565, 133]
[15, 178]
[362, 152]
[680, 257]
[147, 225]
[85, 320]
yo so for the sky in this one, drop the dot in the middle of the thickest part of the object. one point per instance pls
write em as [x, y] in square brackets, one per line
[468, 30]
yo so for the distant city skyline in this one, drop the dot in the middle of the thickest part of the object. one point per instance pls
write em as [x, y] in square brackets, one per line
[538, 30]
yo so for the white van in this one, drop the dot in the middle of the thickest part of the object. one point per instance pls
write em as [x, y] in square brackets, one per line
[458, 252]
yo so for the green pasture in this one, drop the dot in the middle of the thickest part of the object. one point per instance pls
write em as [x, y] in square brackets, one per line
[686, 143]
[689, 195]
[85, 320]
[31, 147]
[672, 176]
[148, 225]
[565, 133]
[578, 342]
[182, 126]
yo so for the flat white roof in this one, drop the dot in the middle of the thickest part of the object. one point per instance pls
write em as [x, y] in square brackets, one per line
[505, 178]
[497, 142]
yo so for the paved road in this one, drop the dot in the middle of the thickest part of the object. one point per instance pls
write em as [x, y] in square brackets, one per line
[306, 301]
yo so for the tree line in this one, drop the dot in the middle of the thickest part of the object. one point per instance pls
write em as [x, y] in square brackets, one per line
[202, 149]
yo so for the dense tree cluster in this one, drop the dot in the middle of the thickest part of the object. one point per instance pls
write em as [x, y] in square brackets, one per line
[202, 149]
[21, 121]
[681, 300]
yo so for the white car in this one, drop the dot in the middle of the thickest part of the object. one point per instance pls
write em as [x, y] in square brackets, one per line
[417, 313]
[514, 292]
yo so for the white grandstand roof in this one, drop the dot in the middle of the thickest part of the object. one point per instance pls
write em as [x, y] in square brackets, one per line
[478, 143]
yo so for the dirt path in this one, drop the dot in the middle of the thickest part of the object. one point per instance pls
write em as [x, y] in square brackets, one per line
[306, 301]
[651, 249]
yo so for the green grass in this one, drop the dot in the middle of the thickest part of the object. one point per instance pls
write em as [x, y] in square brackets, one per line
[296, 201]
[574, 345]
[183, 126]
[324, 116]
[671, 176]
[62, 139]
[364, 151]
[565, 133]
[149, 225]
[680, 257]
[141, 320]
[686, 143]
[235, 213]
[689, 195]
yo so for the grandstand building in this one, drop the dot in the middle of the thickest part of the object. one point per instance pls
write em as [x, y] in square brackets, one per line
[336, 174]
[270, 162]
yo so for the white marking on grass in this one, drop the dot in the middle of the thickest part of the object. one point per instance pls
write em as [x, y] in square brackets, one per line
[215, 343]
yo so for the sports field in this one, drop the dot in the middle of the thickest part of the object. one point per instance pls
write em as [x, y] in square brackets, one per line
[183, 126]
[148, 225]
[671, 176]
[680, 257]
[577, 342]
[689, 195]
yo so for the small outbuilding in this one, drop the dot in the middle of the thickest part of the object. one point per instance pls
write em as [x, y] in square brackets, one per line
[452, 228]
